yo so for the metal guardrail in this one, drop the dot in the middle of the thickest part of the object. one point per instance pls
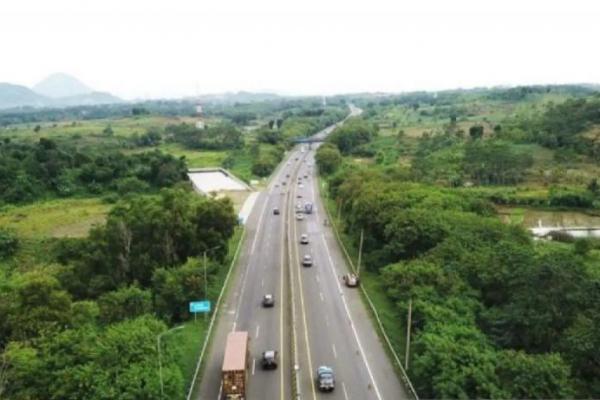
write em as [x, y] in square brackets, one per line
[406, 380]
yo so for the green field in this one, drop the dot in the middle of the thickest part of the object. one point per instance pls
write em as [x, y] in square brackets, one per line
[55, 218]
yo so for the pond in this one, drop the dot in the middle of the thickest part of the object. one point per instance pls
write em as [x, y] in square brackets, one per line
[541, 222]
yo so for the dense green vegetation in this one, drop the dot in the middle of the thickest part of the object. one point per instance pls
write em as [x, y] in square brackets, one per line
[32, 171]
[495, 314]
[84, 324]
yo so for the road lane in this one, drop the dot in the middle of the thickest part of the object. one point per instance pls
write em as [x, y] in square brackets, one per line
[259, 273]
[341, 334]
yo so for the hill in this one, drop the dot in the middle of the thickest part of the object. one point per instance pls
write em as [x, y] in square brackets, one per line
[57, 90]
[19, 96]
[61, 85]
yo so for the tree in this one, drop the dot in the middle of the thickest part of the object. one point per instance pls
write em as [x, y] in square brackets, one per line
[352, 134]
[476, 131]
[34, 304]
[328, 158]
[124, 303]
[89, 363]
[540, 376]
[174, 288]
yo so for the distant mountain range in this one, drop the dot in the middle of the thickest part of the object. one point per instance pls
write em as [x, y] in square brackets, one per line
[57, 90]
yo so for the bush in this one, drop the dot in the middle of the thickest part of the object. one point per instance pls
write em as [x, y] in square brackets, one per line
[124, 303]
[9, 243]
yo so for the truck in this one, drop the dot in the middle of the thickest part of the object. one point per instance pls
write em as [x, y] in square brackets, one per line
[235, 365]
[308, 207]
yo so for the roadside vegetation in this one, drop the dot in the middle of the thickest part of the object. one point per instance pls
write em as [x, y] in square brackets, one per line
[495, 314]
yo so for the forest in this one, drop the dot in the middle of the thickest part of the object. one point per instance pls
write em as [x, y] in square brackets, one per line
[495, 313]
[84, 323]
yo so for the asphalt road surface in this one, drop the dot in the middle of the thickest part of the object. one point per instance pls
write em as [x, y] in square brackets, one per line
[332, 325]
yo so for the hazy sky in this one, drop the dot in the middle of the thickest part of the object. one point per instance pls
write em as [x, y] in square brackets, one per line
[168, 48]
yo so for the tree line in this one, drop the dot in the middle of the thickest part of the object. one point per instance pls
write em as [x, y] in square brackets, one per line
[48, 169]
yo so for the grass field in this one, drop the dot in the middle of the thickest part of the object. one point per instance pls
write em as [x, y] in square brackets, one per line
[121, 127]
[194, 158]
[55, 218]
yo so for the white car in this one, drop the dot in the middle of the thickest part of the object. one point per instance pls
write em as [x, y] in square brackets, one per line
[299, 216]
[304, 239]
[307, 260]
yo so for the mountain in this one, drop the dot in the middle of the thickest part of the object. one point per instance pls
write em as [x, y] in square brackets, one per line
[57, 90]
[61, 85]
[20, 96]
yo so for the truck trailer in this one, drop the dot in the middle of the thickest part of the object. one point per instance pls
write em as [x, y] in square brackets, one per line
[235, 365]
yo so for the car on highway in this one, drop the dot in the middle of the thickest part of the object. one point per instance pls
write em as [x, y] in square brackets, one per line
[307, 260]
[269, 359]
[287, 175]
[350, 280]
[299, 216]
[298, 196]
[284, 183]
[301, 186]
[325, 379]
[276, 211]
[304, 238]
[305, 176]
[268, 300]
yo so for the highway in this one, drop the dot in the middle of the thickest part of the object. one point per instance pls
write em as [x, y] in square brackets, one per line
[332, 326]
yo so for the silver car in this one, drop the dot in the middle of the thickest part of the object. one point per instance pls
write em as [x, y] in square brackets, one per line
[304, 239]
[307, 260]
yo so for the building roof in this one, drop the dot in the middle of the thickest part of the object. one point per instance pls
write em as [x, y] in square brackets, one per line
[235, 351]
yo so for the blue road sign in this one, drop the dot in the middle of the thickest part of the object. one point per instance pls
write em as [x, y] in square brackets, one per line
[200, 306]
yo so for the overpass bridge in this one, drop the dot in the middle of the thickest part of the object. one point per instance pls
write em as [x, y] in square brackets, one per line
[308, 140]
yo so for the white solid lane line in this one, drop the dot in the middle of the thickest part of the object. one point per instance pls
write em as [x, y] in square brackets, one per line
[362, 352]
[345, 391]
[334, 352]
[253, 365]
[257, 331]
[321, 294]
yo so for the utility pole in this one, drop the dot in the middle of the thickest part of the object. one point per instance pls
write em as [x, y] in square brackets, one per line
[360, 247]
[205, 276]
[408, 328]
[162, 390]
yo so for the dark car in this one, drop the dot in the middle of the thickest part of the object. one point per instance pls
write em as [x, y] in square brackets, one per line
[269, 359]
[325, 379]
[276, 211]
[268, 300]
